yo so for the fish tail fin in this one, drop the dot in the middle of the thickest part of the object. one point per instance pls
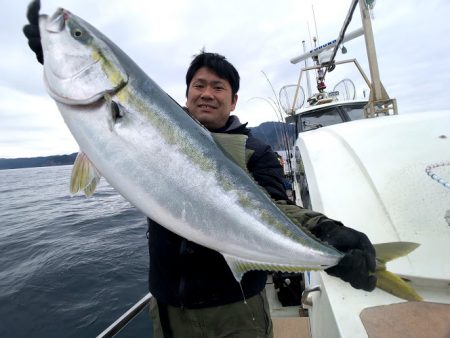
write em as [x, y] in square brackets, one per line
[389, 281]
[396, 286]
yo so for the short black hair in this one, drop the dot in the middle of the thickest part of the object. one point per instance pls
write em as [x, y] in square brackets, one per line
[219, 65]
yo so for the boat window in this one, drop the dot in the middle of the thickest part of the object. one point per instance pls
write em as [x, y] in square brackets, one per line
[319, 119]
[354, 112]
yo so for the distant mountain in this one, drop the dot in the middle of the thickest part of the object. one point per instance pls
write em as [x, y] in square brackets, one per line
[30, 162]
[275, 134]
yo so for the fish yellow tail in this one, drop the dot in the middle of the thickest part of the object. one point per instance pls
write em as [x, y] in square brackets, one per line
[389, 281]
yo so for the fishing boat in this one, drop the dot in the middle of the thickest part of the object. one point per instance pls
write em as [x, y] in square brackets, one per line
[384, 174]
[379, 172]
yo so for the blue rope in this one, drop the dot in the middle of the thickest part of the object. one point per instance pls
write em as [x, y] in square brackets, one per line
[435, 177]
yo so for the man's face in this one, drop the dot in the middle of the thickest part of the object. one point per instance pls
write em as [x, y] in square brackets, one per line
[210, 99]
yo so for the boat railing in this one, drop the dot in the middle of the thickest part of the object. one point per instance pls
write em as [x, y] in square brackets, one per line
[123, 320]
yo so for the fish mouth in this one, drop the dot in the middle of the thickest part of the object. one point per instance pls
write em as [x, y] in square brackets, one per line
[70, 65]
[57, 21]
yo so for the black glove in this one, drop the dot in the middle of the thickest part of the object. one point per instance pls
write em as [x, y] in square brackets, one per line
[358, 264]
[31, 30]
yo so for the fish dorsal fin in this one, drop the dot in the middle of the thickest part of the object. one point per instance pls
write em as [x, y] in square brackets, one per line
[84, 176]
[233, 146]
[389, 251]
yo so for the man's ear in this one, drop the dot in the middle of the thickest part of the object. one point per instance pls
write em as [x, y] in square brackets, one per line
[234, 102]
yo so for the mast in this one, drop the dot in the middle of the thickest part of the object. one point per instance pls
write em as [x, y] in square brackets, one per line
[379, 101]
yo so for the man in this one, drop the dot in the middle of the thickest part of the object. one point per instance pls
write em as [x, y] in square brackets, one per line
[195, 293]
[193, 287]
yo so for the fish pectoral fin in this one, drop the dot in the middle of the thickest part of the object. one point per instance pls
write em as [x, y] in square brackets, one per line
[116, 110]
[389, 281]
[239, 266]
[233, 145]
[84, 176]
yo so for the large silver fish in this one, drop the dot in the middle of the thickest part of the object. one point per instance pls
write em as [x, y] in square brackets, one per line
[161, 160]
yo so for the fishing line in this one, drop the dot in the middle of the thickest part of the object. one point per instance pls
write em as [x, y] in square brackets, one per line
[248, 307]
[277, 107]
[243, 295]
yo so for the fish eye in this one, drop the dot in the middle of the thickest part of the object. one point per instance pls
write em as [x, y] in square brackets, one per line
[77, 33]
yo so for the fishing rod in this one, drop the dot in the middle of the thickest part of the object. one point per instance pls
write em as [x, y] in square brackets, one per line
[284, 131]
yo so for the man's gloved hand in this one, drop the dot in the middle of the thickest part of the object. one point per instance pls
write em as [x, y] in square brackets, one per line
[358, 264]
[31, 30]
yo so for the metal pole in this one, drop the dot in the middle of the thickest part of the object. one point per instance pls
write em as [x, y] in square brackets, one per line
[297, 89]
[123, 320]
[308, 81]
[347, 21]
[376, 91]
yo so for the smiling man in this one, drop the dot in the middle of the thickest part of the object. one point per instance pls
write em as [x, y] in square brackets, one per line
[195, 293]
[210, 99]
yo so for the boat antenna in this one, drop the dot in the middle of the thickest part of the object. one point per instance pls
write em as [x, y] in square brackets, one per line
[308, 81]
[315, 23]
[309, 33]
[316, 37]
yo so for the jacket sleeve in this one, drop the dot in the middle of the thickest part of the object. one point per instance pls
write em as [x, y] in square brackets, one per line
[265, 169]
[306, 218]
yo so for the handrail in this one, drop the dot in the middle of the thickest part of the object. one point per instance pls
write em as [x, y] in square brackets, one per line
[123, 320]
[306, 302]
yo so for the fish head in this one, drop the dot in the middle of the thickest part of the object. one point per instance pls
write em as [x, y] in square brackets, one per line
[79, 64]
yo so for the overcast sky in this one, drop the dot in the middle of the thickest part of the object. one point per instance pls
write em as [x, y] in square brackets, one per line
[412, 42]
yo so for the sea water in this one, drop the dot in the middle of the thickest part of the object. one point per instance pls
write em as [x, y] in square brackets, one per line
[69, 265]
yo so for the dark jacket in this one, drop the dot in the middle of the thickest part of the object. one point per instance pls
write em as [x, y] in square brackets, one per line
[183, 273]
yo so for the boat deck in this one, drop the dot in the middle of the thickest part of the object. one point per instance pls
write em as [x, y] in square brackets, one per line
[288, 321]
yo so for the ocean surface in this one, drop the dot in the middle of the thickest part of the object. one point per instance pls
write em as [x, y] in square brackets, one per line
[69, 265]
